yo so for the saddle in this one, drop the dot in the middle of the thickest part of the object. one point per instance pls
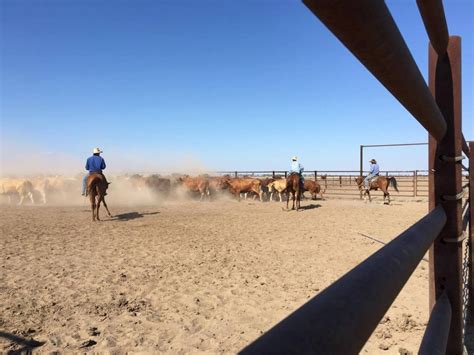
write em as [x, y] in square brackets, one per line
[373, 181]
[301, 177]
[92, 177]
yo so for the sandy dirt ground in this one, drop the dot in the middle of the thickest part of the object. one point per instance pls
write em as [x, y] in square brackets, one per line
[189, 277]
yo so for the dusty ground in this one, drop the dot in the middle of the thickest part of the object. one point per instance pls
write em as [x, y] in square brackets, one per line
[189, 277]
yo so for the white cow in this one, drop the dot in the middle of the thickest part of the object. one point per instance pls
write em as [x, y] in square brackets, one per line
[277, 186]
[22, 188]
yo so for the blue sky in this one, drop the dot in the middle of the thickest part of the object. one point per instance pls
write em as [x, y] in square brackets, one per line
[165, 85]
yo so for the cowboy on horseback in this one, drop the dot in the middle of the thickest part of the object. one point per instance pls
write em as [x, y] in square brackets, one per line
[95, 164]
[374, 171]
[297, 168]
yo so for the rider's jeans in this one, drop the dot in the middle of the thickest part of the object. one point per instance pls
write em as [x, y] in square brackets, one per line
[367, 179]
[84, 183]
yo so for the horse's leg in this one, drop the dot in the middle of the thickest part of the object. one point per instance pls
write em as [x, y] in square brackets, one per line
[106, 208]
[287, 199]
[98, 205]
[294, 198]
[92, 199]
[385, 193]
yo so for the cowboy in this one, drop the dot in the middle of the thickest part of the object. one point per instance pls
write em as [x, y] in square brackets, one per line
[297, 168]
[95, 164]
[373, 172]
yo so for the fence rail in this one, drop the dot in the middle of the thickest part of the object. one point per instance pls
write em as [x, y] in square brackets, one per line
[411, 183]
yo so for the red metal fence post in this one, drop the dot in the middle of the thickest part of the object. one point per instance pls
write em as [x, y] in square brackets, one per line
[471, 226]
[445, 183]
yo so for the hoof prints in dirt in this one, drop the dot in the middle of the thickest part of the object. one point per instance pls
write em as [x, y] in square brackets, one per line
[88, 343]
[117, 307]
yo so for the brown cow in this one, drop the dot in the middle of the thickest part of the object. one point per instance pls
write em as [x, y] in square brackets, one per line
[265, 188]
[137, 181]
[245, 185]
[218, 184]
[195, 184]
[313, 187]
[158, 185]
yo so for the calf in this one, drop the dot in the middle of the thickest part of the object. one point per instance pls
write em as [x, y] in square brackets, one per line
[313, 187]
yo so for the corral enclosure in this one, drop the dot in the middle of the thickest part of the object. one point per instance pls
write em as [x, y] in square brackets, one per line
[188, 276]
[411, 183]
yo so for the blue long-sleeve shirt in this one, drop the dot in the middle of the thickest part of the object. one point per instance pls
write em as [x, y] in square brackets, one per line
[95, 164]
[296, 167]
[374, 169]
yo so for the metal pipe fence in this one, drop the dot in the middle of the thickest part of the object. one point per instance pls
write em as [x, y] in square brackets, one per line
[411, 183]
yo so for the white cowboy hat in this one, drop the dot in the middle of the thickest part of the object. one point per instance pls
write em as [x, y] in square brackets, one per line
[294, 158]
[96, 151]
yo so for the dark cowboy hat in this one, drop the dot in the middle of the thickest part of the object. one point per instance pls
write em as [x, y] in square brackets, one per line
[373, 161]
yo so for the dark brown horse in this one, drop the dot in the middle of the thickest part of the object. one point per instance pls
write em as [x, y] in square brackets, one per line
[97, 189]
[293, 186]
[381, 182]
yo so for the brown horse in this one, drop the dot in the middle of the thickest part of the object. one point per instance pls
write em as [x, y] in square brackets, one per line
[293, 186]
[97, 189]
[381, 183]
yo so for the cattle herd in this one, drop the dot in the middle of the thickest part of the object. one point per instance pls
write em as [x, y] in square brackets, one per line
[61, 189]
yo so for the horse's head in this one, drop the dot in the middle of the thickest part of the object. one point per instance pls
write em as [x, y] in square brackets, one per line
[359, 180]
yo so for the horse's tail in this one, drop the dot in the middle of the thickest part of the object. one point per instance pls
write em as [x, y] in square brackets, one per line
[97, 184]
[393, 183]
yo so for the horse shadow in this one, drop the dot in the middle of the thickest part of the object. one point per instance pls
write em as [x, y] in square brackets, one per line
[310, 207]
[131, 215]
[28, 345]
